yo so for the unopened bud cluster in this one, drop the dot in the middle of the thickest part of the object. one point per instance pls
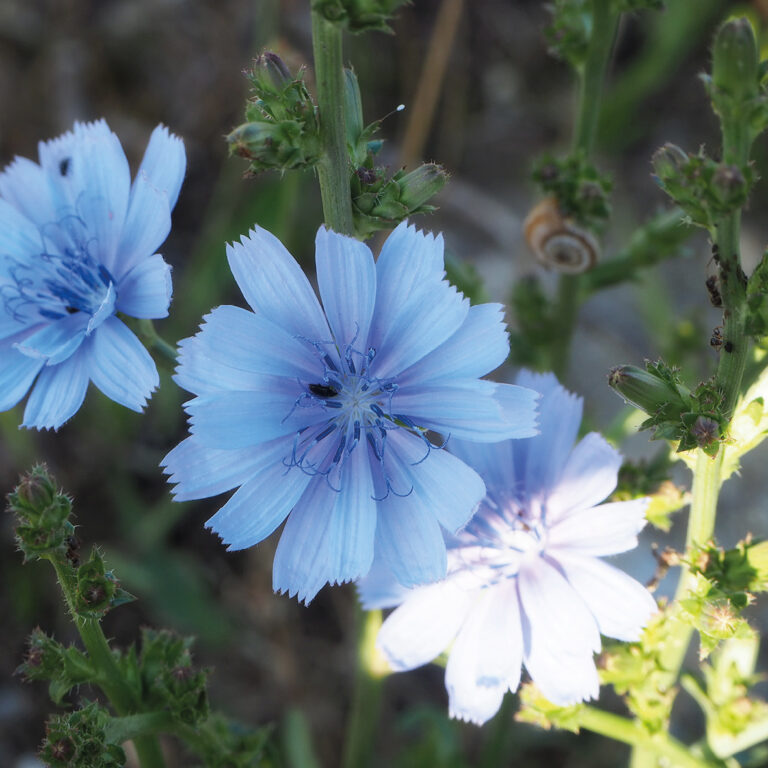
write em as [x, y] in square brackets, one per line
[282, 130]
[692, 419]
[42, 515]
[359, 15]
[706, 190]
[581, 191]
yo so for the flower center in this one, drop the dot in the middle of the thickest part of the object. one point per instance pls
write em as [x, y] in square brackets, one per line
[68, 280]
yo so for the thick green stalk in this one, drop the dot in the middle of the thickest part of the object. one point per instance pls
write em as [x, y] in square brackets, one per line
[111, 680]
[366, 699]
[661, 745]
[333, 169]
[604, 21]
[156, 342]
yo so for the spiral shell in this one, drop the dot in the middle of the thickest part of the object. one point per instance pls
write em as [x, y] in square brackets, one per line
[558, 242]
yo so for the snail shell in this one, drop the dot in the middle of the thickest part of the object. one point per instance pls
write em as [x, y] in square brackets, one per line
[557, 241]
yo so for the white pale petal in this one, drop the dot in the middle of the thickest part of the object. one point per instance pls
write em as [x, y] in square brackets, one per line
[479, 346]
[441, 481]
[346, 277]
[275, 286]
[329, 534]
[604, 530]
[120, 366]
[146, 290]
[379, 588]
[621, 605]
[200, 471]
[540, 460]
[589, 477]
[560, 635]
[426, 623]
[58, 393]
[233, 343]
[486, 658]
[259, 505]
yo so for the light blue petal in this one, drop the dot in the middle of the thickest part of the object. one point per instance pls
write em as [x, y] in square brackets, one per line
[494, 462]
[604, 530]
[25, 186]
[146, 290]
[17, 372]
[14, 324]
[425, 625]
[477, 410]
[164, 163]
[379, 588]
[260, 505]
[200, 471]
[235, 419]
[540, 461]
[20, 239]
[589, 477]
[100, 181]
[621, 605]
[58, 393]
[560, 635]
[233, 343]
[416, 310]
[441, 481]
[106, 310]
[56, 342]
[120, 366]
[346, 277]
[275, 286]
[479, 346]
[329, 535]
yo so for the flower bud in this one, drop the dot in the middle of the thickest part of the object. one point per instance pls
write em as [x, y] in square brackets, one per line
[735, 60]
[645, 390]
[274, 68]
[729, 185]
[422, 184]
[668, 162]
[36, 490]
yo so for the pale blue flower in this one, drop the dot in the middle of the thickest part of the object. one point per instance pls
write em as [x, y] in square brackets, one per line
[77, 245]
[321, 415]
[525, 584]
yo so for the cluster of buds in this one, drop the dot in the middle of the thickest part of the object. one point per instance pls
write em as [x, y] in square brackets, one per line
[381, 200]
[569, 33]
[79, 740]
[692, 419]
[706, 190]
[581, 191]
[358, 15]
[282, 131]
[97, 590]
[42, 515]
[169, 678]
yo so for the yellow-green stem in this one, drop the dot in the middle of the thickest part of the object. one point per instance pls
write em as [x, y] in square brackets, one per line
[333, 169]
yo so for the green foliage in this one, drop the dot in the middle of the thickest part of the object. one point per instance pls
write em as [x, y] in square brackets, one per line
[536, 709]
[466, 278]
[757, 299]
[79, 740]
[569, 33]
[282, 131]
[359, 15]
[638, 673]
[580, 189]
[639, 5]
[536, 319]
[708, 191]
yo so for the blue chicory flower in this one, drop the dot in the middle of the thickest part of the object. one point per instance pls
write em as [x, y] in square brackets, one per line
[524, 584]
[77, 245]
[321, 415]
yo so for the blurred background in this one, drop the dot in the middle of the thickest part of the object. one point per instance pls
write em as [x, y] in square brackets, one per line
[500, 101]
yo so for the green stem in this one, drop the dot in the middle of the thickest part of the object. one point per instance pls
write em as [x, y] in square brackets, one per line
[156, 342]
[121, 696]
[661, 745]
[366, 699]
[333, 169]
[604, 22]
